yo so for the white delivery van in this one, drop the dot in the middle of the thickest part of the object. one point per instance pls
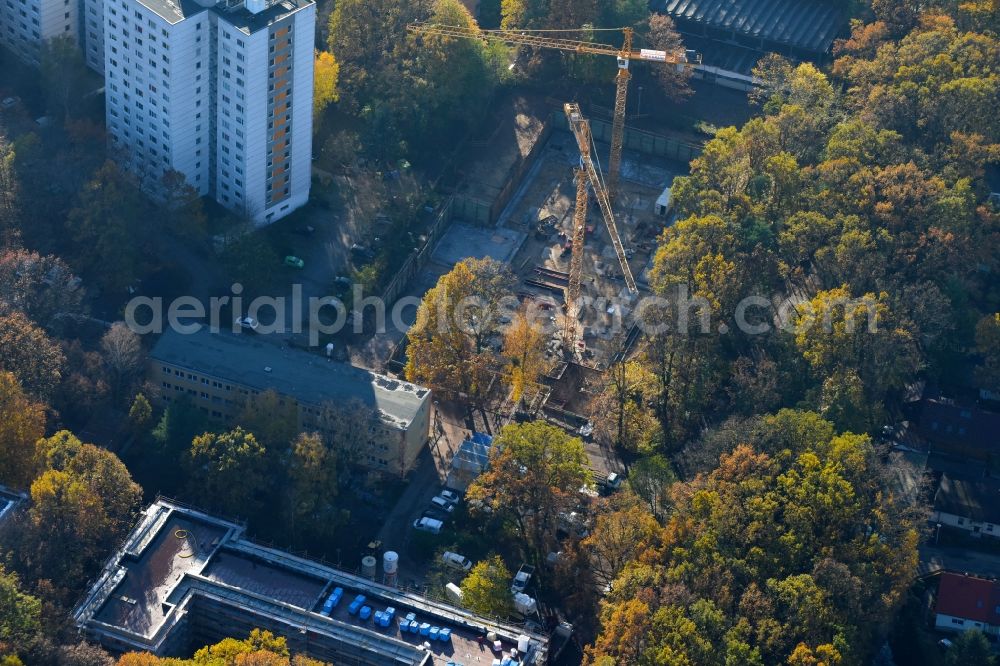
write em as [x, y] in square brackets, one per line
[426, 524]
[456, 561]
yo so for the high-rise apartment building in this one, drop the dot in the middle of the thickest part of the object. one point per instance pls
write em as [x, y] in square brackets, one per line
[26, 24]
[219, 92]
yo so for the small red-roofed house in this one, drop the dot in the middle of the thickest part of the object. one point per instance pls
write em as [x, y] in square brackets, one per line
[966, 602]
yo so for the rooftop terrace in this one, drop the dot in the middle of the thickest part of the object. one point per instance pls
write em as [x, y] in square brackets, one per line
[180, 567]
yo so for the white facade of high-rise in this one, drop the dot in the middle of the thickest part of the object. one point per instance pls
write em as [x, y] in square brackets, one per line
[92, 33]
[26, 24]
[222, 96]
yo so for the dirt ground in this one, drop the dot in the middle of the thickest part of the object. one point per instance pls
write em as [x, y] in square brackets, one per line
[543, 209]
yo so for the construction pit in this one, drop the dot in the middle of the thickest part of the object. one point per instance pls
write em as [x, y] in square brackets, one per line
[542, 209]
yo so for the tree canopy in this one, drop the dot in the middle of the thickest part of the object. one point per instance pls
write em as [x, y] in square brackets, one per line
[793, 546]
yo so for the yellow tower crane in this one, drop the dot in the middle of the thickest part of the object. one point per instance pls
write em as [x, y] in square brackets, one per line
[588, 173]
[544, 39]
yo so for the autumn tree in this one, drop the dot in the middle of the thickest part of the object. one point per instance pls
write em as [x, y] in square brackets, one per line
[39, 286]
[227, 470]
[272, 419]
[81, 506]
[486, 588]
[22, 423]
[260, 648]
[858, 350]
[448, 347]
[534, 471]
[622, 412]
[29, 354]
[325, 73]
[763, 560]
[524, 351]
[182, 211]
[313, 487]
[140, 412]
[619, 537]
[663, 35]
[122, 352]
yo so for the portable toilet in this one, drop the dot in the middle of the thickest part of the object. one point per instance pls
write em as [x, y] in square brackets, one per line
[664, 203]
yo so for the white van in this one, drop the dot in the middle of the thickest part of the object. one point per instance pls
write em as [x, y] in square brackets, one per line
[456, 561]
[428, 525]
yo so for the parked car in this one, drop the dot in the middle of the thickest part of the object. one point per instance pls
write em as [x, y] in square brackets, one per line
[522, 578]
[456, 561]
[441, 503]
[450, 495]
[294, 262]
[248, 323]
[614, 481]
[428, 525]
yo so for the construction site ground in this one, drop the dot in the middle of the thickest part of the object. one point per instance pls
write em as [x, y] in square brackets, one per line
[543, 210]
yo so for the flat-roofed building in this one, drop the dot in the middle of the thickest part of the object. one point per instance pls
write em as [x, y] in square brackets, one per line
[25, 25]
[184, 579]
[220, 92]
[221, 372]
[9, 501]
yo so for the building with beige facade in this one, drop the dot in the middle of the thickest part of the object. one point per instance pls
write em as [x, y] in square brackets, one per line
[385, 421]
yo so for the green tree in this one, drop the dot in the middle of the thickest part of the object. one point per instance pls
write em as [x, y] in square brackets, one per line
[650, 478]
[63, 73]
[20, 616]
[970, 647]
[105, 226]
[486, 590]
[227, 470]
[140, 412]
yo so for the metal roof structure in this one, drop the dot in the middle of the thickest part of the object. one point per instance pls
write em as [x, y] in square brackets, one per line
[809, 25]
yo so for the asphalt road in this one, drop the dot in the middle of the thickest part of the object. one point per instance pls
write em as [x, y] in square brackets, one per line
[424, 483]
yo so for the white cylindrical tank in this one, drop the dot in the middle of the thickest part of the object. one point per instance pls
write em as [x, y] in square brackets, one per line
[390, 562]
[368, 564]
[255, 6]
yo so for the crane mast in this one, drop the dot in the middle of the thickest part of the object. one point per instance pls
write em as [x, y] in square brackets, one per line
[544, 39]
[581, 131]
